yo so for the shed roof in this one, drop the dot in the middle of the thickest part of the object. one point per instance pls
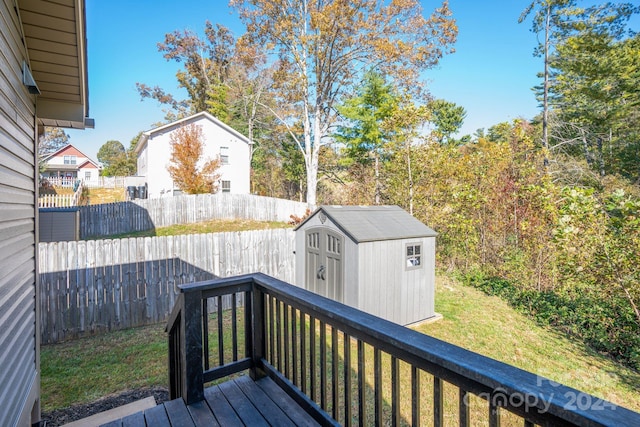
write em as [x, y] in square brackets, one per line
[373, 223]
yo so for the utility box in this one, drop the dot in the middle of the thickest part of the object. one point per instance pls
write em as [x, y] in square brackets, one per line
[379, 259]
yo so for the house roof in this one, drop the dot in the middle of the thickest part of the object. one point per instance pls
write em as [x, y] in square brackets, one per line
[193, 118]
[55, 37]
[373, 223]
[61, 151]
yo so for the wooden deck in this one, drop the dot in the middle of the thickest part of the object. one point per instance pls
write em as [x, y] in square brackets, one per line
[237, 402]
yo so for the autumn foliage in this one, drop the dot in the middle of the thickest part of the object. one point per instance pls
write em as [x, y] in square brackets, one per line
[191, 173]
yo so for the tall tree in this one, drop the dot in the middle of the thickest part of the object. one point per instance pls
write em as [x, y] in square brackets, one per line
[447, 118]
[560, 20]
[596, 95]
[50, 141]
[323, 45]
[549, 15]
[364, 134]
[110, 154]
[188, 169]
[206, 69]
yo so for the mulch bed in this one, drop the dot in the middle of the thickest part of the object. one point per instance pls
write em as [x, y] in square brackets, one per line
[63, 416]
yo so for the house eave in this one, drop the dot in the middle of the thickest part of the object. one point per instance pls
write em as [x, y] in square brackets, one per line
[55, 37]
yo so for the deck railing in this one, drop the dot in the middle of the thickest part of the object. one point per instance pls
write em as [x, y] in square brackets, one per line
[347, 367]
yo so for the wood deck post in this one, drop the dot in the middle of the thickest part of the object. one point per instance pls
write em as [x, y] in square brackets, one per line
[255, 306]
[192, 377]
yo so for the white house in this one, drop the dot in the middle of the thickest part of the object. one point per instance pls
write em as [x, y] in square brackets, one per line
[68, 164]
[154, 152]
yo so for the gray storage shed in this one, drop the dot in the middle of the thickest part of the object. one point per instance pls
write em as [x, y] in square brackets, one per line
[379, 259]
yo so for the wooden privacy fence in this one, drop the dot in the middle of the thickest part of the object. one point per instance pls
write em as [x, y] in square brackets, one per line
[98, 286]
[145, 214]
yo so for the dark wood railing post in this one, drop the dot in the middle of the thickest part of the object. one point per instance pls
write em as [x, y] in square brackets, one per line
[192, 377]
[255, 306]
[176, 345]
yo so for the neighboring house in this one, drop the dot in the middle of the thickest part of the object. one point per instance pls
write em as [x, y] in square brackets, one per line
[69, 164]
[44, 83]
[154, 153]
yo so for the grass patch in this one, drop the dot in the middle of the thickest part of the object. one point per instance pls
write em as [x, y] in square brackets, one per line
[81, 371]
[98, 196]
[212, 226]
[86, 369]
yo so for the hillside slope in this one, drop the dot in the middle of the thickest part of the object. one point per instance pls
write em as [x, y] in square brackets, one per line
[487, 325]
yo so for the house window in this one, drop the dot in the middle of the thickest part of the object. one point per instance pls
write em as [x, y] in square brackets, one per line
[413, 256]
[70, 160]
[224, 155]
[226, 186]
[87, 176]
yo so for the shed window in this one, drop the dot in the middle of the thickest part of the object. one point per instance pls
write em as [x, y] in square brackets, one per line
[70, 160]
[414, 256]
[226, 186]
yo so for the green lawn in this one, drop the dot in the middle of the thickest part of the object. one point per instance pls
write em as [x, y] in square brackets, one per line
[84, 370]
[212, 226]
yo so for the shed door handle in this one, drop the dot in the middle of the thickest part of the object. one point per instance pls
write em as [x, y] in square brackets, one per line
[321, 274]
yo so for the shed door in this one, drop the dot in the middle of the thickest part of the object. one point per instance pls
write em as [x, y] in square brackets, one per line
[323, 267]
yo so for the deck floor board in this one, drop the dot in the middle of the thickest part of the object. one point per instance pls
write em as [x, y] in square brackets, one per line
[221, 408]
[237, 402]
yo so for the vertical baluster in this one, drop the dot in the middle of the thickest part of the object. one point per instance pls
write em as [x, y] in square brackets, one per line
[285, 340]
[205, 332]
[279, 335]
[303, 352]
[220, 334]
[294, 345]
[323, 365]
[465, 419]
[361, 385]
[415, 396]
[377, 384]
[261, 325]
[494, 415]
[395, 392]
[234, 327]
[313, 357]
[347, 380]
[272, 327]
[334, 372]
[438, 415]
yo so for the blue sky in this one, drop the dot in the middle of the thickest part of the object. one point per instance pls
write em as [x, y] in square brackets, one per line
[490, 75]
